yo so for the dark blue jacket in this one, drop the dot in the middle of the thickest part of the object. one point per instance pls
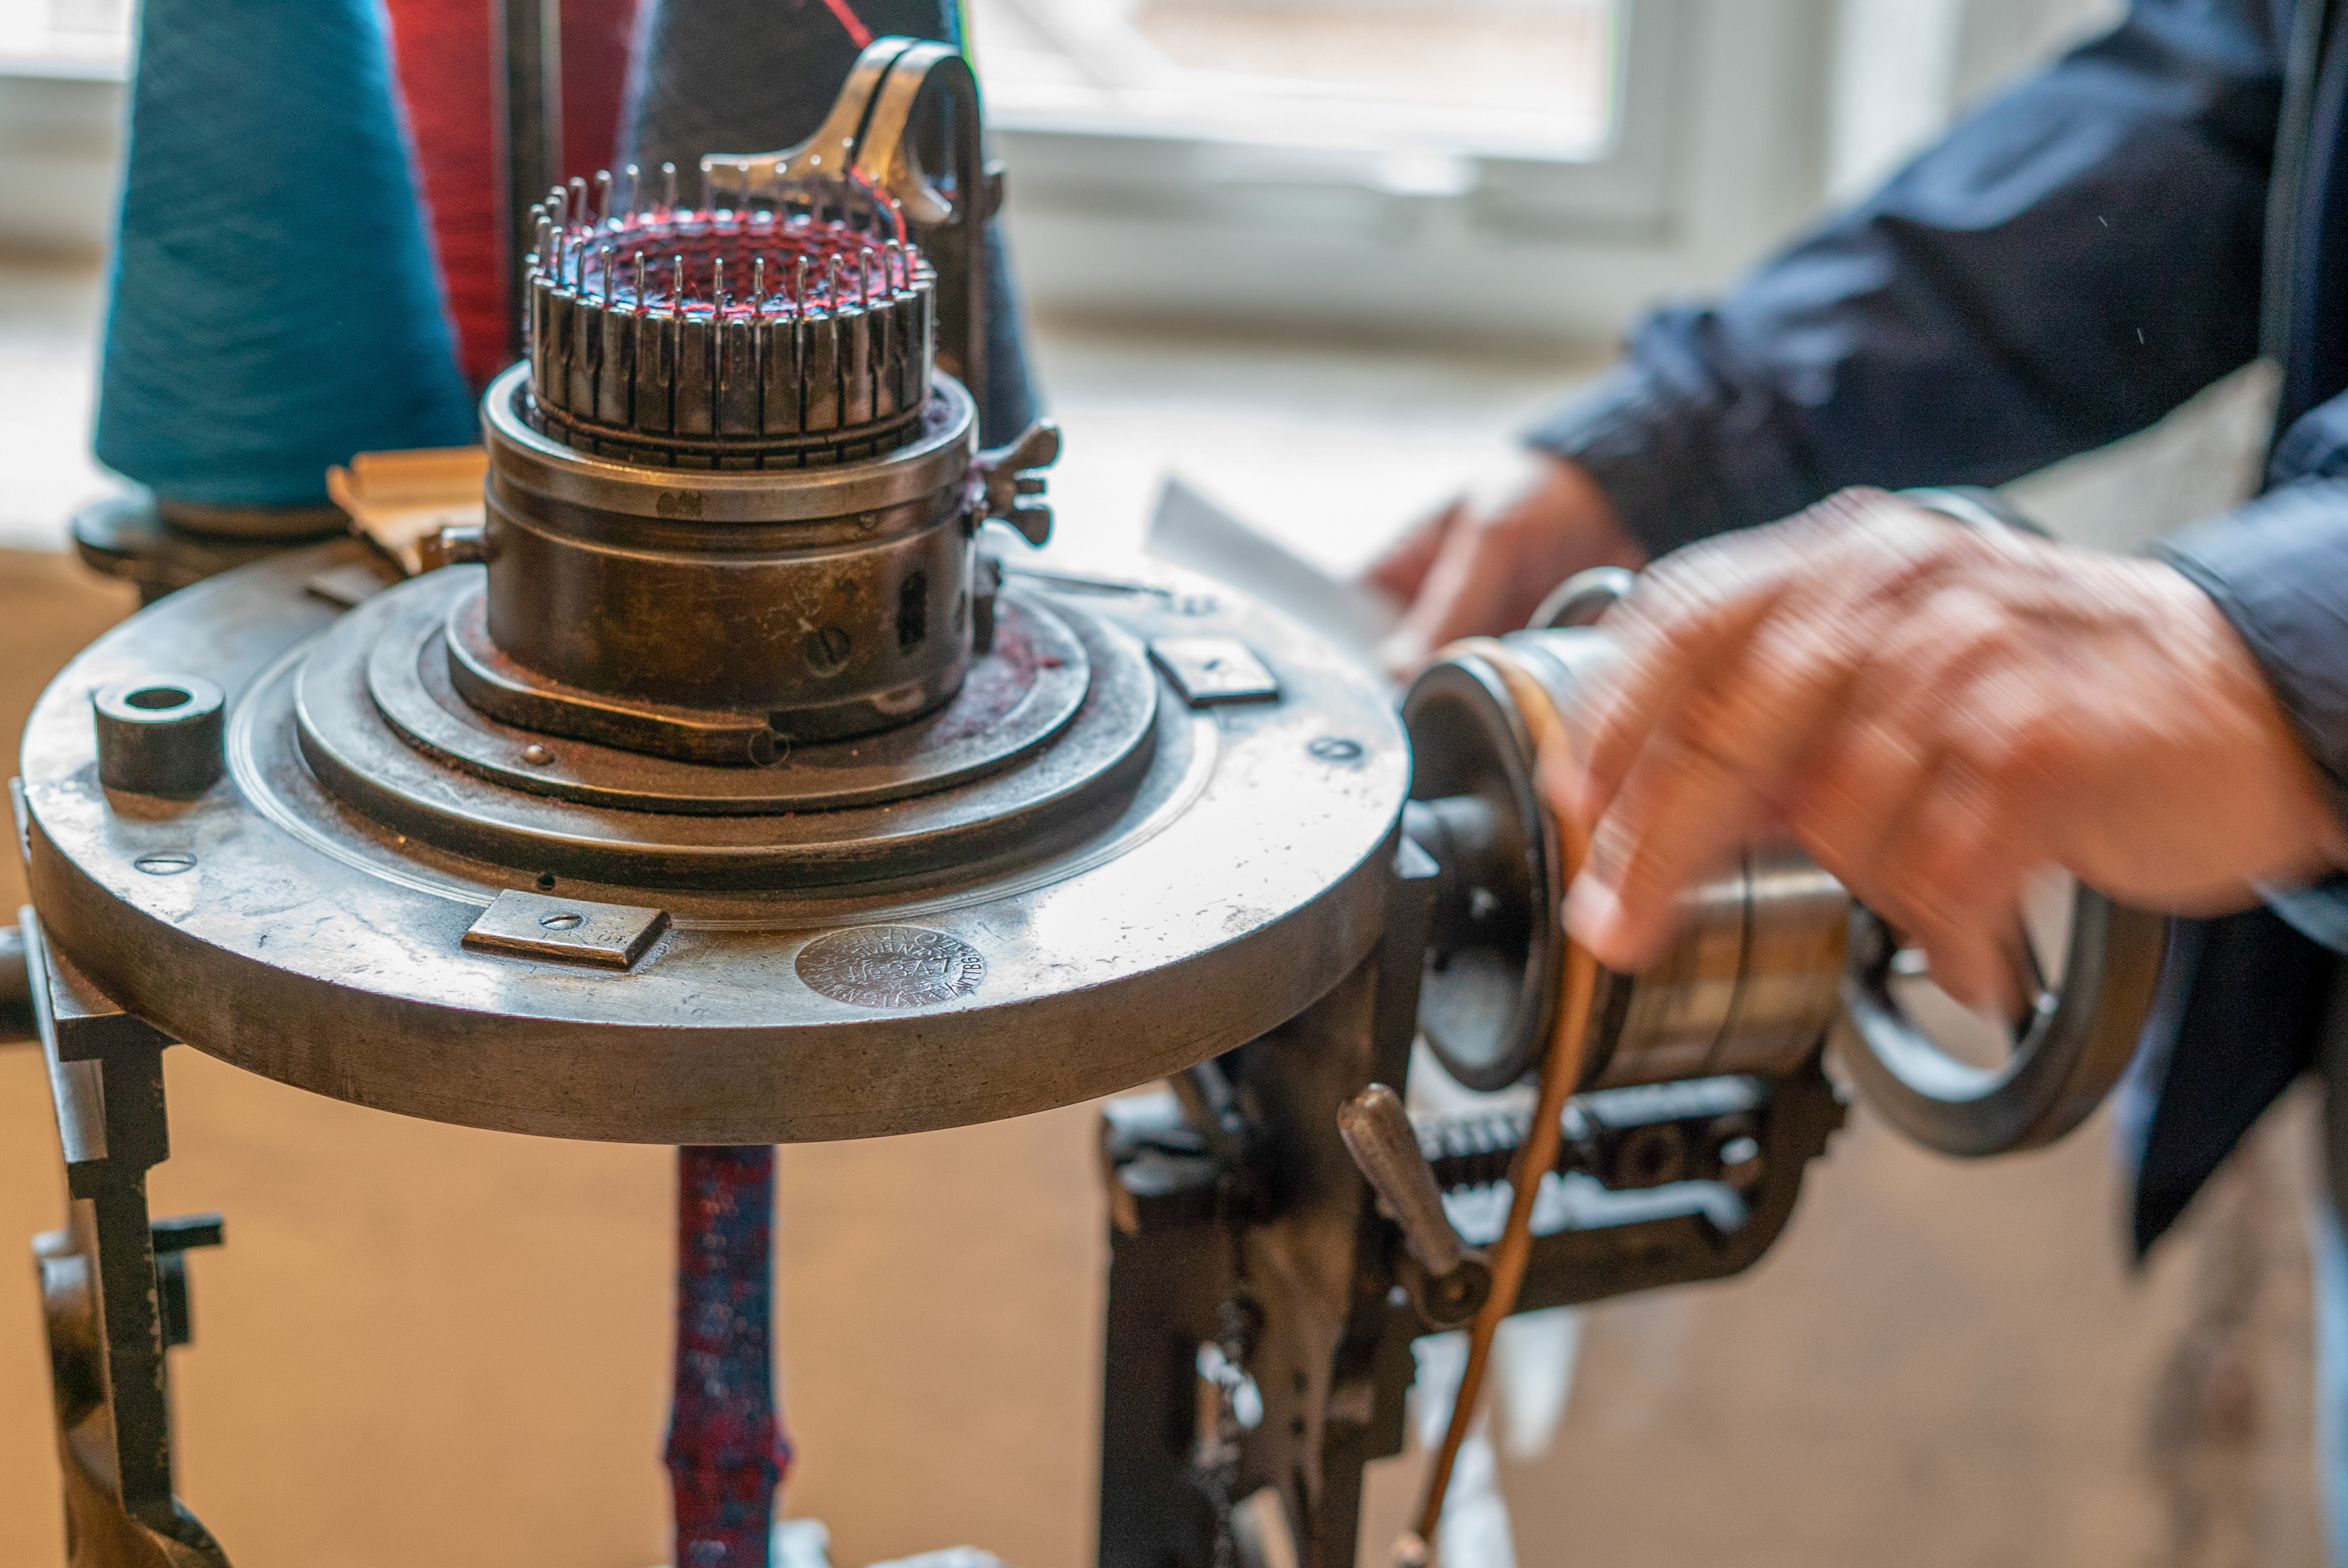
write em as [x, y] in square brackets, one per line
[2074, 260]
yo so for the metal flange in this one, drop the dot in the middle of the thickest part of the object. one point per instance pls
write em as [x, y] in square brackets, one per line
[268, 924]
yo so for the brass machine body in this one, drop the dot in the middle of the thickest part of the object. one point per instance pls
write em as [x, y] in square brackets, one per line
[1750, 986]
[729, 619]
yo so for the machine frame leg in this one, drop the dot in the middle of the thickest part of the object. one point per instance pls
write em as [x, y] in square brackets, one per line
[1249, 1263]
[112, 1284]
[1246, 1208]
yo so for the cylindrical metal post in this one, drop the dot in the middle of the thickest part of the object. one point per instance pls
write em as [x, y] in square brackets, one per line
[529, 39]
[726, 1452]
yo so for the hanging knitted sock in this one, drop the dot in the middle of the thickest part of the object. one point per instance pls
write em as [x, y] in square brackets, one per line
[748, 76]
[275, 307]
[726, 1451]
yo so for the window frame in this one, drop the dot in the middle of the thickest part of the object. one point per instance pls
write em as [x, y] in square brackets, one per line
[1623, 192]
[1719, 149]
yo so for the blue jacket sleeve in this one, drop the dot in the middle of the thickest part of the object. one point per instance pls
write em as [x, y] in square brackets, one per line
[2072, 261]
[2278, 568]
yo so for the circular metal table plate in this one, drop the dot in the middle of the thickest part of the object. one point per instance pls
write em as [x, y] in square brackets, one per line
[1235, 878]
[1015, 699]
[344, 689]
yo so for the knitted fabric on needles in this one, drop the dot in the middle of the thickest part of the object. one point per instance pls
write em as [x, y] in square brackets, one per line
[750, 75]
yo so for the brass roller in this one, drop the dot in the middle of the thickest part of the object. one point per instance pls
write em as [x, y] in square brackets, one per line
[1773, 953]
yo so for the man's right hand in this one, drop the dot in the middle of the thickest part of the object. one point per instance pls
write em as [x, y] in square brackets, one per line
[1481, 566]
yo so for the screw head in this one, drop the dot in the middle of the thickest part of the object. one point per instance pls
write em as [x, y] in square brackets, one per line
[827, 649]
[562, 920]
[536, 755]
[166, 863]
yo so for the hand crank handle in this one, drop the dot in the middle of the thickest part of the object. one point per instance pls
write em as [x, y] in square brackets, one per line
[1452, 1279]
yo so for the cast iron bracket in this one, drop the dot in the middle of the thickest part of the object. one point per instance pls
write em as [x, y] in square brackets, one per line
[113, 1284]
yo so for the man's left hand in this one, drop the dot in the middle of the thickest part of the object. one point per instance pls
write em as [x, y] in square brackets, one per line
[1934, 712]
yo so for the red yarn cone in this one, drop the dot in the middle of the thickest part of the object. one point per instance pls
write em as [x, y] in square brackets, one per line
[448, 75]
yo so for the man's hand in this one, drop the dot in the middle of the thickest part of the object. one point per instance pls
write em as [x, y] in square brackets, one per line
[1481, 566]
[1933, 712]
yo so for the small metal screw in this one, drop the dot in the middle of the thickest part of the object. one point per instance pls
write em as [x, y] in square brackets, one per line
[827, 649]
[562, 920]
[1336, 749]
[536, 755]
[169, 863]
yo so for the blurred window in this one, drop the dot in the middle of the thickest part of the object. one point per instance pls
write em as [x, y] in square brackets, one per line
[1530, 78]
[1503, 169]
[76, 39]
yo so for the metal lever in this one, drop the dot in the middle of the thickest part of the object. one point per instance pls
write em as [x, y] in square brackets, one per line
[458, 544]
[868, 140]
[174, 1239]
[16, 1025]
[1452, 1279]
[1011, 481]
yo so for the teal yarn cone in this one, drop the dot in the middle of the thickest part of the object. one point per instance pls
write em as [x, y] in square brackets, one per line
[275, 305]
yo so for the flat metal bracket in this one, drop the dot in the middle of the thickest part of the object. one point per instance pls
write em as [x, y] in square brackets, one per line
[1209, 670]
[566, 930]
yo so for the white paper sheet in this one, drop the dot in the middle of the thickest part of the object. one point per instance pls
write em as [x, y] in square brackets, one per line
[1190, 529]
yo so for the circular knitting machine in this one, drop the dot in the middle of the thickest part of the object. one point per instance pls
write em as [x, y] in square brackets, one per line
[720, 791]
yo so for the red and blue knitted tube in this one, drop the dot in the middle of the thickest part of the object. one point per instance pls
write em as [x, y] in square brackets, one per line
[726, 1452]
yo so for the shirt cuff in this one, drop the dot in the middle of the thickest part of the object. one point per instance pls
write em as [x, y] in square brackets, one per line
[1681, 458]
[2277, 567]
[1625, 432]
[2319, 912]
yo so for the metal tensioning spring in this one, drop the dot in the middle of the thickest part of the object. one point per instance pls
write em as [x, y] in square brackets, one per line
[644, 345]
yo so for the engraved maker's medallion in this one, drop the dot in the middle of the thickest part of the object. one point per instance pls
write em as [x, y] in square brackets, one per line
[890, 966]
